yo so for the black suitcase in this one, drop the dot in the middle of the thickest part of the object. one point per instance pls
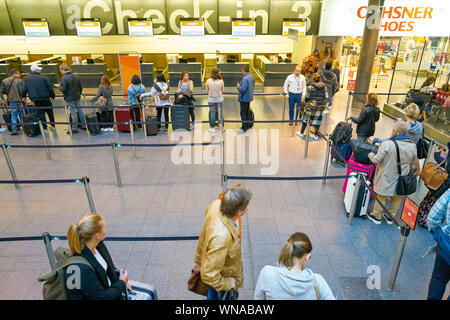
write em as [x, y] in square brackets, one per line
[152, 127]
[7, 119]
[94, 129]
[31, 125]
[180, 118]
[252, 118]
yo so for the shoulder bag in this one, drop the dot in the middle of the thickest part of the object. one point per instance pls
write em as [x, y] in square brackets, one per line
[433, 175]
[101, 101]
[406, 185]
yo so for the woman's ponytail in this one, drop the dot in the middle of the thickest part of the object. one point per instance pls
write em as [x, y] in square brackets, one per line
[74, 240]
[297, 246]
[285, 257]
[83, 231]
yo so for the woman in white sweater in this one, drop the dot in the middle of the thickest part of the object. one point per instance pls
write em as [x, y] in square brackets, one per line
[214, 87]
[291, 280]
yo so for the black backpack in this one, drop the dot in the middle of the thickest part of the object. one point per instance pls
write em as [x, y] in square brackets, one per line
[342, 133]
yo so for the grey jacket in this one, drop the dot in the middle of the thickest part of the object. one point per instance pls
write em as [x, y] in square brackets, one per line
[12, 87]
[386, 174]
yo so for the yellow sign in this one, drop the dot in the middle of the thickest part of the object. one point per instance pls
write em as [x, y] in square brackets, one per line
[32, 24]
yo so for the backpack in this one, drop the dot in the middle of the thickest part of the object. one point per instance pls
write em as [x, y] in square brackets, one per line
[164, 95]
[101, 101]
[342, 133]
[54, 286]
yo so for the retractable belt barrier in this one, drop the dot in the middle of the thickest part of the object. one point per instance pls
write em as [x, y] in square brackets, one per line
[35, 238]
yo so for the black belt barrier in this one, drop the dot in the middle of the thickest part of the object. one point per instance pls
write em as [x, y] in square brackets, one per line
[284, 178]
[35, 238]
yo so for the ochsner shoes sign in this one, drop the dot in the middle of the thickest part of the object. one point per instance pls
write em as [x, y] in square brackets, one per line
[398, 18]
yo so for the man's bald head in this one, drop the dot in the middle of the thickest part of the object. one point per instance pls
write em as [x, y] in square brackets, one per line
[297, 70]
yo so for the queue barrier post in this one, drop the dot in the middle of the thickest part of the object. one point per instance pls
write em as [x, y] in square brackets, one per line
[222, 143]
[144, 125]
[132, 139]
[68, 120]
[85, 181]
[10, 166]
[354, 199]
[327, 161]
[49, 249]
[308, 128]
[398, 256]
[430, 150]
[284, 105]
[295, 120]
[116, 164]
[49, 157]
[349, 97]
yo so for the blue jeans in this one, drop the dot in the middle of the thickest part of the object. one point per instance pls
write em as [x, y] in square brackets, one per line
[439, 278]
[293, 99]
[212, 113]
[221, 295]
[330, 102]
[15, 111]
[76, 112]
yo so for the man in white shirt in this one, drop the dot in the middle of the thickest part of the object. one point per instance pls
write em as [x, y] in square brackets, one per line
[297, 91]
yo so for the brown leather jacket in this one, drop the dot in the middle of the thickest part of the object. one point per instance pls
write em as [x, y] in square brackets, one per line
[219, 252]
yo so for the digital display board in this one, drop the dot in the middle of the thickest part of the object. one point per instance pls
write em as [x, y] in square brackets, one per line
[140, 27]
[36, 27]
[88, 27]
[243, 28]
[192, 27]
[296, 24]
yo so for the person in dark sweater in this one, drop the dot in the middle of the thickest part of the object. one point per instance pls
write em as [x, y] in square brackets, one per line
[367, 118]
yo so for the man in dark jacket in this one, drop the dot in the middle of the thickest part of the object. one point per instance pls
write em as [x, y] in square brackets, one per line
[40, 91]
[246, 88]
[330, 81]
[366, 120]
[12, 87]
[72, 89]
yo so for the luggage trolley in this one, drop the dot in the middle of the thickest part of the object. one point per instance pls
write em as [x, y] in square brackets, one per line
[137, 286]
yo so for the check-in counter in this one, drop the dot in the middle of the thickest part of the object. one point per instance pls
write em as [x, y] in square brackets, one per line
[274, 74]
[231, 72]
[51, 71]
[194, 69]
[7, 64]
[4, 71]
[90, 73]
[147, 74]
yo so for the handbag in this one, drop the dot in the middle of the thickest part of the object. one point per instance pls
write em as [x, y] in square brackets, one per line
[196, 285]
[101, 101]
[164, 95]
[433, 175]
[422, 148]
[406, 185]
[361, 151]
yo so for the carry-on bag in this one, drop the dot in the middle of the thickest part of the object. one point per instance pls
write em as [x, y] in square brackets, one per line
[123, 115]
[94, 129]
[345, 150]
[363, 196]
[31, 125]
[368, 170]
[361, 151]
[180, 118]
[342, 133]
[7, 118]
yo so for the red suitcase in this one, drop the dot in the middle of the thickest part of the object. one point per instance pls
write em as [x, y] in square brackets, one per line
[369, 170]
[123, 115]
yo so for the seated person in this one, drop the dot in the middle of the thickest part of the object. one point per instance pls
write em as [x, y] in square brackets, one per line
[99, 281]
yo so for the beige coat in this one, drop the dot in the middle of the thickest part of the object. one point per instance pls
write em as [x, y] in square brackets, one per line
[219, 253]
[386, 174]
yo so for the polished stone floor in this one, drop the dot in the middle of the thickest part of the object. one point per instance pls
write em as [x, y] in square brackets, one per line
[160, 198]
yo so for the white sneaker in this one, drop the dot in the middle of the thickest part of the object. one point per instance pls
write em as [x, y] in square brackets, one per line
[2, 130]
[111, 129]
[103, 129]
[212, 130]
[300, 134]
[314, 137]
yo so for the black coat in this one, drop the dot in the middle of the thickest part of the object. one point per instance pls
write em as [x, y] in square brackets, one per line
[38, 87]
[187, 99]
[366, 121]
[71, 87]
[94, 283]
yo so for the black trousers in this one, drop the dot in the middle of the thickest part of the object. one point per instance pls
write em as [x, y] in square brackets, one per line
[166, 116]
[41, 112]
[192, 113]
[137, 114]
[245, 115]
[304, 124]
[107, 116]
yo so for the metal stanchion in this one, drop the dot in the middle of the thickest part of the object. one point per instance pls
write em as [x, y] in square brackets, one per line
[308, 128]
[225, 183]
[284, 105]
[49, 157]
[398, 257]
[327, 161]
[10, 166]
[430, 150]
[132, 139]
[222, 143]
[49, 249]
[85, 181]
[68, 120]
[349, 97]
[144, 125]
[355, 198]
[116, 164]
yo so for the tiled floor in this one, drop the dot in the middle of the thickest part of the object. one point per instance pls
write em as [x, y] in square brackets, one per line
[159, 198]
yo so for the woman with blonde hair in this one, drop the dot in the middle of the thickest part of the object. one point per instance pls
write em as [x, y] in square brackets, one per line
[98, 279]
[412, 114]
[291, 280]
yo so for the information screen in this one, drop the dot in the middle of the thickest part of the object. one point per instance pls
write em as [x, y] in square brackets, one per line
[298, 25]
[242, 28]
[192, 27]
[89, 28]
[409, 213]
[36, 27]
[140, 27]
